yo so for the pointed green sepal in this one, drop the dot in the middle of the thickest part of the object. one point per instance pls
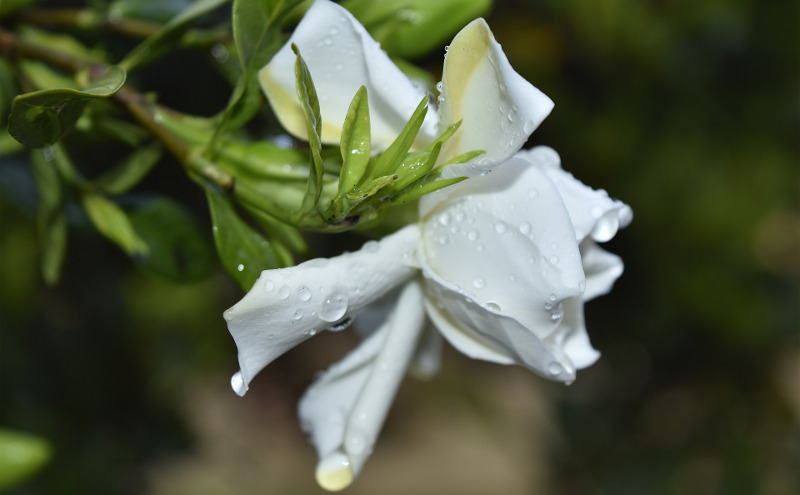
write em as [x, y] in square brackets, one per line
[355, 143]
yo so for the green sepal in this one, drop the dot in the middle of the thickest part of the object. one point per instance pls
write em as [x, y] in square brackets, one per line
[130, 171]
[51, 222]
[41, 118]
[355, 142]
[447, 134]
[310, 103]
[178, 249]
[421, 190]
[284, 238]
[244, 252]
[113, 223]
[392, 157]
[414, 167]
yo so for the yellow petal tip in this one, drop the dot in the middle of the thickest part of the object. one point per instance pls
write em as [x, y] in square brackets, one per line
[334, 473]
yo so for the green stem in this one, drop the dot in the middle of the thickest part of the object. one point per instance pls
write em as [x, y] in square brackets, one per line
[90, 19]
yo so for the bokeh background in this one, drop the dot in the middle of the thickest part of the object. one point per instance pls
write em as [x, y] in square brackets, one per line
[686, 110]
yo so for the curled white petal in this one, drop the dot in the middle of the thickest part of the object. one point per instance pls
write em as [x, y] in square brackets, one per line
[344, 410]
[571, 336]
[498, 107]
[506, 239]
[601, 267]
[289, 305]
[342, 57]
[594, 214]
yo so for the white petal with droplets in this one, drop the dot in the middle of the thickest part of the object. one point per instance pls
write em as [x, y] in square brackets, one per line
[344, 410]
[594, 214]
[342, 57]
[498, 107]
[601, 267]
[289, 305]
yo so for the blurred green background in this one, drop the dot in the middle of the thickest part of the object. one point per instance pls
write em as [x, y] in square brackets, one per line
[686, 110]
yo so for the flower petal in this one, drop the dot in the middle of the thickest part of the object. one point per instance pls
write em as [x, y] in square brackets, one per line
[342, 57]
[571, 336]
[594, 214]
[601, 267]
[344, 410]
[480, 331]
[506, 239]
[498, 107]
[289, 305]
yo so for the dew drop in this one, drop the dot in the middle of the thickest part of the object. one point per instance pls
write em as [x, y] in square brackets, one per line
[439, 86]
[511, 117]
[338, 327]
[473, 235]
[443, 239]
[304, 293]
[493, 306]
[525, 228]
[269, 285]
[240, 267]
[298, 315]
[479, 283]
[500, 227]
[512, 278]
[440, 99]
[238, 385]
[555, 368]
[553, 298]
[444, 218]
[554, 260]
[283, 292]
[479, 248]
[528, 127]
[270, 336]
[228, 315]
[334, 306]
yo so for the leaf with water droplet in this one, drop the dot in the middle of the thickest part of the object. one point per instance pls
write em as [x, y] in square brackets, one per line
[237, 243]
[310, 103]
[390, 159]
[355, 143]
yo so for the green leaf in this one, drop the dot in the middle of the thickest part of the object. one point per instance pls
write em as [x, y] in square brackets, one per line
[421, 190]
[65, 44]
[310, 102]
[178, 249]
[392, 157]
[167, 36]
[355, 143]
[111, 221]
[43, 76]
[284, 237]
[41, 118]
[130, 171]
[8, 88]
[415, 167]
[243, 251]
[51, 221]
[21, 455]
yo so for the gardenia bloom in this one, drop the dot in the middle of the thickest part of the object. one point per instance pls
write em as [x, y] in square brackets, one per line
[500, 264]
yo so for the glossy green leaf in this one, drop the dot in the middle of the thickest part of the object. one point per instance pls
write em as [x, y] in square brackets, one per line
[357, 200]
[51, 221]
[169, 35]
[21, 455]
[393, 156]
[310, 102]
[414, 167]
[178, 248]
[64, 43]
[421, 190]
[355, 143]
[130, 171]
[41, 118]
[111, 221]
[244, 252]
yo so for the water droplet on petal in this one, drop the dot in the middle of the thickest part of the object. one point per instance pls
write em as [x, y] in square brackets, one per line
[533, 193]
[334, 306]
[240, 267]
[269, 285]
[238, 385]
[525, 228]
[473, 235]
[493, 306]
[355, 444]
[298, 315]
[304, 293]
[554, 260]
[528, 127]
[479, 283]
[439, 86]
[500, 227]
[283, 292]
[341, 325]
[555, 368]
[444, 218]
[334, 472]
[228, 315]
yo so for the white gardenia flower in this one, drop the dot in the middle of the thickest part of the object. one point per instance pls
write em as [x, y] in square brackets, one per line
[500, 264]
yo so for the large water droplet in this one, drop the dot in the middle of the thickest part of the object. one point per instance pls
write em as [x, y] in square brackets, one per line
[439, 86]
[238, 385]
[338, 327]
[304, 293]
[555, 368]
[493, 306]
[228, 315]
[334, 306]
[334, 473]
